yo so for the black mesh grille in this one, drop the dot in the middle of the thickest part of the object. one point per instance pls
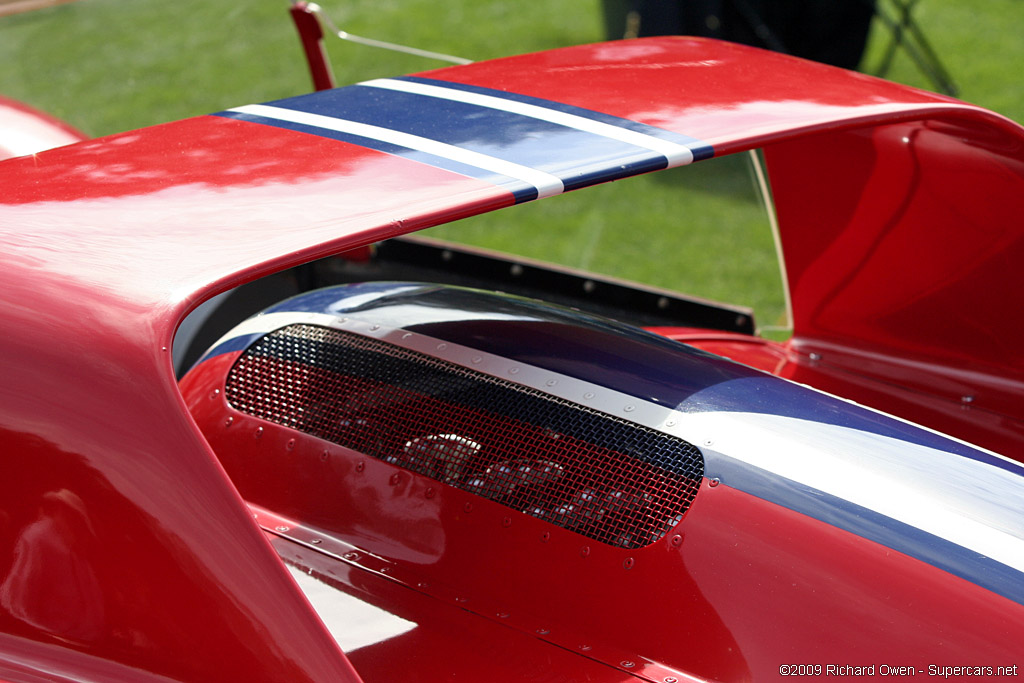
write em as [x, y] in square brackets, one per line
[605, 478]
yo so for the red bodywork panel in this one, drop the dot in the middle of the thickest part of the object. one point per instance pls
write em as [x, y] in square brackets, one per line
[693, 604]
[912, 288]
[125, 550]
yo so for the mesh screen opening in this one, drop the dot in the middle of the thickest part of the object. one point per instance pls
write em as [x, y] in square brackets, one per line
[605, 478]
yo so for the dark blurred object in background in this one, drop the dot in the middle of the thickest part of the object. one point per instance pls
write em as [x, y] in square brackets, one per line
[830, 31]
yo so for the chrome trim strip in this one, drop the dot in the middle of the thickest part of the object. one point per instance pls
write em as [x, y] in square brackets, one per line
[581, 392]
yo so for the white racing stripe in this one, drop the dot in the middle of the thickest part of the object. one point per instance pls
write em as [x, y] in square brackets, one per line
[676, 154]
[547, 185]
[963, 501]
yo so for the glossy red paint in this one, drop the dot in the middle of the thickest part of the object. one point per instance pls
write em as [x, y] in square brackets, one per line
[712, 91]
[900, 276]
[451, 640]
[123, 539]
[727, 595]
[112, 490]
[740, 553]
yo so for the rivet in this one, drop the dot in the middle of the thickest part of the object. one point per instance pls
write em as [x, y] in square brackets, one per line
[627, 563]
[545, 537]
[671, 679]
[290, 445]
[360, 466]
[513, 371]
[516, 270]
[586, 648]
[214, 394]
[463, 600]
[585, 551]
[406, 335]
[317, 541]
[502, 615]
[589, 286]
[395, 478]
[708, 442]
[543, 631]
[663, 302]
[589, 395]
[677, 541]
[429, 493]
[715, 481]
[670, 423]
[552, 382]
[228, 422]
[967, 399]
[741, 320]
[282, 528]
[350, 556]
[385, 570]
[629, 408]
[626, 664]
[374, 328]
[507, 522]
[468, 507]
[477, 359]
[258, 433]
[324, 455]
[442, 347]
[446, 255]
[815, 356]
[422, 584]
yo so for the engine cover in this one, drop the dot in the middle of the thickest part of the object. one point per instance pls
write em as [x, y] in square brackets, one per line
[549, 413]
[584, 482]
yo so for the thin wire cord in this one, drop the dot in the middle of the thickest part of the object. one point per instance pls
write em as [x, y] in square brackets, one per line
[344, 35]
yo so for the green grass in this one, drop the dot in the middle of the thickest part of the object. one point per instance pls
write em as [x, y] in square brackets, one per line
[112, 65]
[978, 42]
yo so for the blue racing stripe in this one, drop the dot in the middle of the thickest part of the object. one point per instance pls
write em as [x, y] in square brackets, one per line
[535, 148]
[577, 157]
[860, 521]
[701, 150]
[522, 191]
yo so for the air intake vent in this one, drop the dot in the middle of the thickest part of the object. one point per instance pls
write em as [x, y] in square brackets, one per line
[605, 478]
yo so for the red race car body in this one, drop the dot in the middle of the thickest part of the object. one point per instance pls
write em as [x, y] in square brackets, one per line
[414, 481]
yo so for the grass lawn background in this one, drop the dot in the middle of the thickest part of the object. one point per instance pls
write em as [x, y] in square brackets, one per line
[111, 65]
